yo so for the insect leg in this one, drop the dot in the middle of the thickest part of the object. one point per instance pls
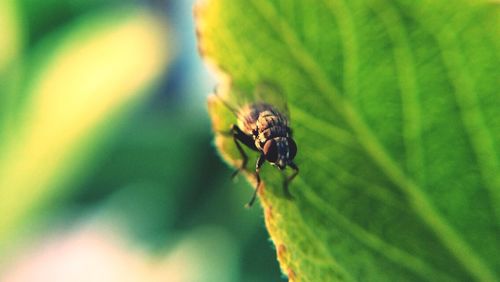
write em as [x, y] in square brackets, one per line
[240, 136]
[259, 163]
[289, 179]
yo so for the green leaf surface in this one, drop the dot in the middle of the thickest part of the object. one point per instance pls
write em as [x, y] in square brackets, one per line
[396, 113]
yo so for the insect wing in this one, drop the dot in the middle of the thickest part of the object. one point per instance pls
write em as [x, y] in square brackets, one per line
[235, 99]
[272, 94]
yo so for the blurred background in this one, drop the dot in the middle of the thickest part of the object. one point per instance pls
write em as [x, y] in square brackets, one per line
[107, 166]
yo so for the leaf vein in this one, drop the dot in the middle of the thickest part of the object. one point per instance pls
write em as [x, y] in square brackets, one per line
[324, 128]
[408, 87]
[372, 190]
[391, 252]
[472, 118]
[324, 249]
[344, 18]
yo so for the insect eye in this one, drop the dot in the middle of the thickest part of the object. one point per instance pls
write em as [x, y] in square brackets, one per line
[271, 151]
[292, 148]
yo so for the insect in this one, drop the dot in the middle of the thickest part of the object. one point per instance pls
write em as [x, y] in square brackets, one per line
[264, 126]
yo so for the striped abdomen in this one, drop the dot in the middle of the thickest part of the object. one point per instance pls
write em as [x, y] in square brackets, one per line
[263, 122]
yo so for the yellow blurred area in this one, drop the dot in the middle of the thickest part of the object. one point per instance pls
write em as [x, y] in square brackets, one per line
[99, 66]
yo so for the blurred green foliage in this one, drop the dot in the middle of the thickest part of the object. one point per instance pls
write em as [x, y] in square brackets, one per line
[81, 79]
[93, 126]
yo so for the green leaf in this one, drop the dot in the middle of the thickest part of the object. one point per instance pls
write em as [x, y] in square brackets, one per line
[396, 113]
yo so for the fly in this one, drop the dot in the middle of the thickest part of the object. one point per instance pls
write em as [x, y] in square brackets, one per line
[264, 128]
